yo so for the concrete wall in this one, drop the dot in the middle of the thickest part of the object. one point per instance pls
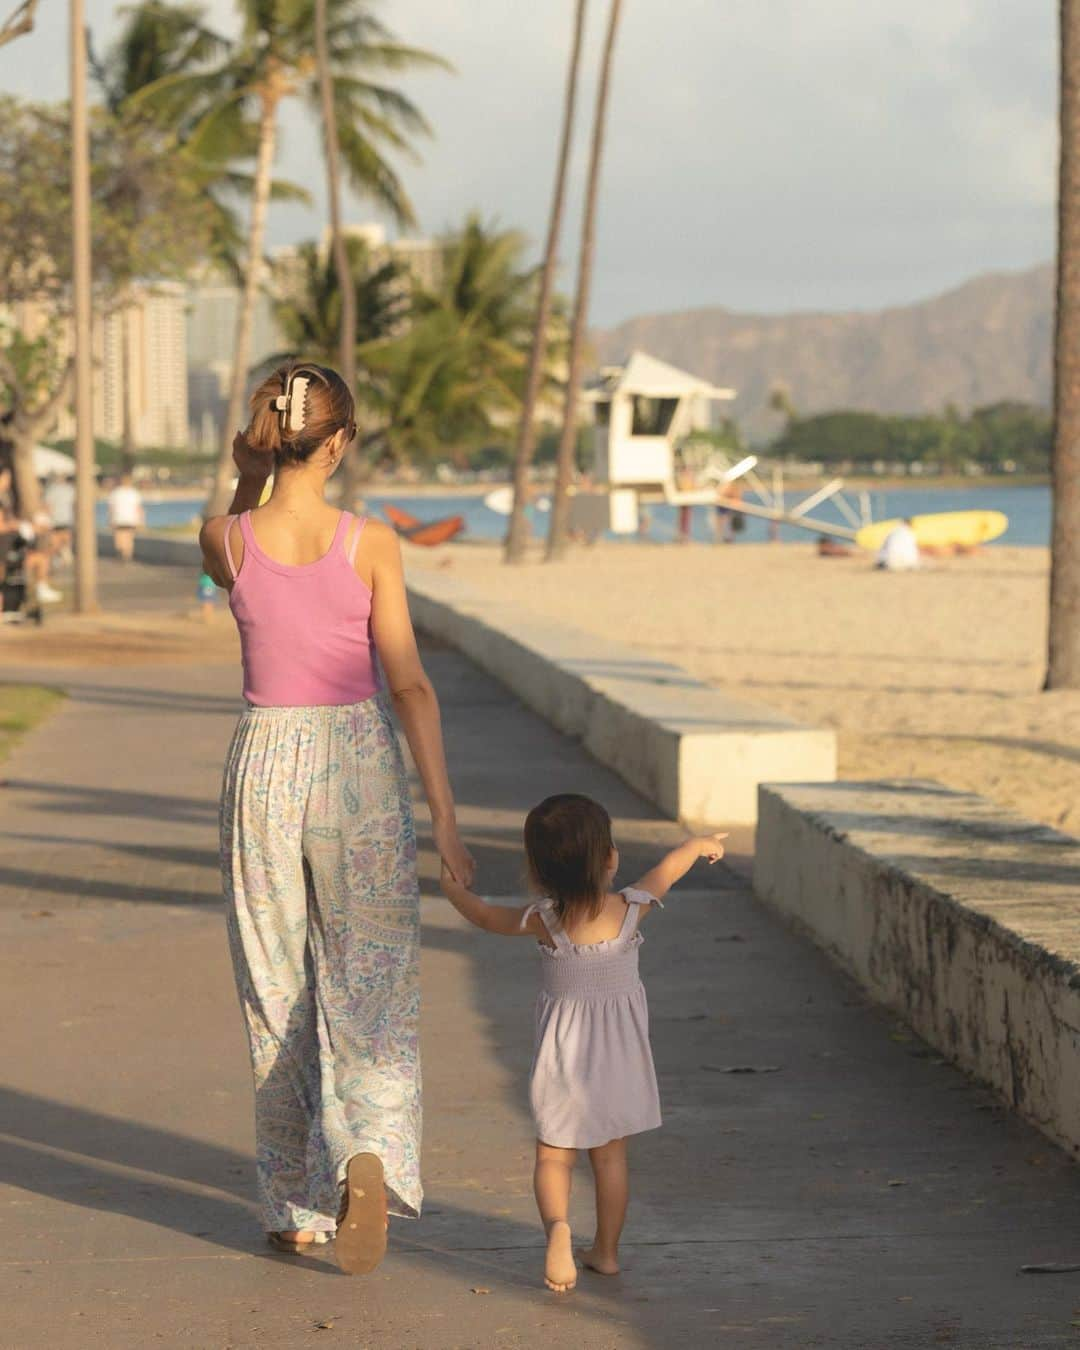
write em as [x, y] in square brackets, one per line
[963, 918]
[157, 549]
[696, 754]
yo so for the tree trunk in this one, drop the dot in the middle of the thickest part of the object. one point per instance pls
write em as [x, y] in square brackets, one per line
[86, 586]
[27, 491]
[560, 505]
[1063, 670]
[517, 537]
[245, 318]
[346, 282]
[126, 393]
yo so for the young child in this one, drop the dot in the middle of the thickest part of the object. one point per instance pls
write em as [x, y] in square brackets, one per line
[206, 590]
[592, 1081]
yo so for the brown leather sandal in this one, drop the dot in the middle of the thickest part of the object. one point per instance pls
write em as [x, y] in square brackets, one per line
[361, 1235]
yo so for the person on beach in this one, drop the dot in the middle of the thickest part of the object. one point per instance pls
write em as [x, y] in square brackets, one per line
[126, 516]
[318, 847]
[900, 551]
[59, 498]
[592, 1083]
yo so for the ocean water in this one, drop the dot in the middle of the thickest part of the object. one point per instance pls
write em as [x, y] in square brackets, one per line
[1028, 510]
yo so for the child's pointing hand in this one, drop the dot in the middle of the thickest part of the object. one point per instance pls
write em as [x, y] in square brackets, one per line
[711, 846]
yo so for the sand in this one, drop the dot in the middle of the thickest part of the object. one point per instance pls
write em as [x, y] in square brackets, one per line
[934, 674]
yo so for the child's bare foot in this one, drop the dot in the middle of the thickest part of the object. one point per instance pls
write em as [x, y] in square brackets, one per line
[598, 1261]
[560, 1272]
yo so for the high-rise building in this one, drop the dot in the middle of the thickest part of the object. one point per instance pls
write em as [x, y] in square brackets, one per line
[140, 359]
[213, 302]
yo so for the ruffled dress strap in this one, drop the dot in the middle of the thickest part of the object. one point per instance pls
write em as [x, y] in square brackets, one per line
[636, 901]
[549, 919]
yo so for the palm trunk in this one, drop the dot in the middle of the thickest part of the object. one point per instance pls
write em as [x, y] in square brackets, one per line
[1063, 671]
[346, 282]
[127, 392]
[560, 506]
[517, 537]
[245, 319]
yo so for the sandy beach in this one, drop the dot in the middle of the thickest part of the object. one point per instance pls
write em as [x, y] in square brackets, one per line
[934, 674]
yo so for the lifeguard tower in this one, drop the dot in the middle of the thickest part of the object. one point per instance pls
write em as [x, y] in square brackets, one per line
[643, 410]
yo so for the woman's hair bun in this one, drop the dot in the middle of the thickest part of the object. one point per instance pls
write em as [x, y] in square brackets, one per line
[294, 431]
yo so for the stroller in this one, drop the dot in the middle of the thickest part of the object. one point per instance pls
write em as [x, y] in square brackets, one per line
[17, 600]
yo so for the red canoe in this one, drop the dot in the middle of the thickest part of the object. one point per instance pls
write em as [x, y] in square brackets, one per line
[416, 532]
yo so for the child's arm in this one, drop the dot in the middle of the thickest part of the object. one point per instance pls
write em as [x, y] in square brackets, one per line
[502, 919]
[660, 879]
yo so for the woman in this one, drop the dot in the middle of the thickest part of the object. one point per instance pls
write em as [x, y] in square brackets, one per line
[317, 841]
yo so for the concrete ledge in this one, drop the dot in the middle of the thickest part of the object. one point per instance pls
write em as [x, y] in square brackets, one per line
[695, 753]
[962, 917]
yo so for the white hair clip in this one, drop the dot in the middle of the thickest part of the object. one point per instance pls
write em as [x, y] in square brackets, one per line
[290, 404]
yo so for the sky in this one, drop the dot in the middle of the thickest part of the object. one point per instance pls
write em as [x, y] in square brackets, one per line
[764, 155]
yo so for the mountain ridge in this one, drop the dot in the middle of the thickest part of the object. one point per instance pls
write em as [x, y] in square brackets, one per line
[984, 340]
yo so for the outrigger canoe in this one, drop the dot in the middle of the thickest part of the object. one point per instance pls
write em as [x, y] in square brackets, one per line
[429, 533]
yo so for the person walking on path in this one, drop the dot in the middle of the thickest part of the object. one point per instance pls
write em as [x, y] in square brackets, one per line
[126, 516]
[593, 1083]
[318, 846]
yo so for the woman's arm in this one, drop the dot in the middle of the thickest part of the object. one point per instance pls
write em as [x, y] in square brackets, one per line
[502, 919]
[254, 468]
[415, 701]
[660, 879]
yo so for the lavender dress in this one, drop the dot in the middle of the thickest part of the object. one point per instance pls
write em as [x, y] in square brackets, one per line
[592, 1077]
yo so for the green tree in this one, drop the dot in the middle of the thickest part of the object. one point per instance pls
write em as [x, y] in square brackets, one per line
[147, 221]
[310, 302]
[272, 61]
[455, 378]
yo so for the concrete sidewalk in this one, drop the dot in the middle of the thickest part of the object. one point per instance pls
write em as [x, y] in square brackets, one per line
[857, 1194]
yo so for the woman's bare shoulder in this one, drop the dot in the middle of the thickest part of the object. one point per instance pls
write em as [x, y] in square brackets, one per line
[378, 534]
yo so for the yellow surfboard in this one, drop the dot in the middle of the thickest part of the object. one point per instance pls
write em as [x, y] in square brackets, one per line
[940, 529]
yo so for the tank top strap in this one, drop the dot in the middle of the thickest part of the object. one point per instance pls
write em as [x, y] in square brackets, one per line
[228, 547]
[353, 539]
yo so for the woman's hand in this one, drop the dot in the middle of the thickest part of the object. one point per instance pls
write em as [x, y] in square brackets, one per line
[456, 858]
[250, 462]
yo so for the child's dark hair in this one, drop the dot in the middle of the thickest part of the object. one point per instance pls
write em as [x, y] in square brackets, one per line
[297, 408]
[568, 847]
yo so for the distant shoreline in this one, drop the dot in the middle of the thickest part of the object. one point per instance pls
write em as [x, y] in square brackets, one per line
[791, 484]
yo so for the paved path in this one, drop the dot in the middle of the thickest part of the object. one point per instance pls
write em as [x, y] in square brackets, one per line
[863, 1195]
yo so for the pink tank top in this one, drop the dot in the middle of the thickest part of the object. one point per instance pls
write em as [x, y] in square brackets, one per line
[305, 631]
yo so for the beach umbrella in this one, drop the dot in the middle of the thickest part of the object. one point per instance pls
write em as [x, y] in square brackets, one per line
[48, 461]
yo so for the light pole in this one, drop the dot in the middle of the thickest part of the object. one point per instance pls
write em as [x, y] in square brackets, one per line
[86, 598]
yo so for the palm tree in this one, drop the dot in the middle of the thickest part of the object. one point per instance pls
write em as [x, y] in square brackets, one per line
[19, 22]
[272, 61]
[310, 305]
[332, 154]
[560, 506]
[456, 375]
[1063, 670]
[517, 535]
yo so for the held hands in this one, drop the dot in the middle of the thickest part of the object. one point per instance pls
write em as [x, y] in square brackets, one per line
[710, 846]
[456, 858]
[250, 461]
